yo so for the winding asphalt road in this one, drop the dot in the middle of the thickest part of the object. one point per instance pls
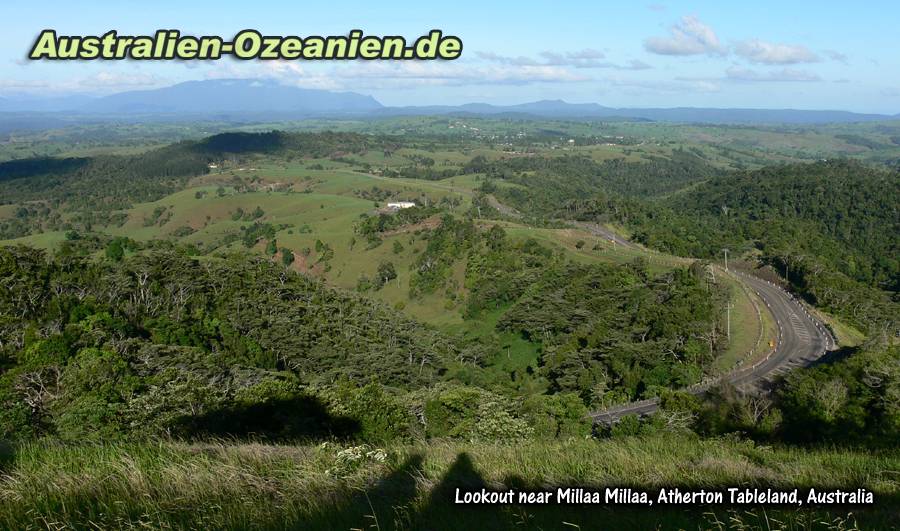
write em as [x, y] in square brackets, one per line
[802, 339]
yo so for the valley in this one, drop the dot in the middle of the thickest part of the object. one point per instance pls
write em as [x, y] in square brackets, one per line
[377, 304]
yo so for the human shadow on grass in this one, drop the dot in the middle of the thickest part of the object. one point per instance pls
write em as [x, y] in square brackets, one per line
[441, 511]
[391, 503]
[388, 504]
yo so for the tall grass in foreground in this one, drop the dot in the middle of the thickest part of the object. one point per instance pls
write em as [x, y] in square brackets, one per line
[171, 485]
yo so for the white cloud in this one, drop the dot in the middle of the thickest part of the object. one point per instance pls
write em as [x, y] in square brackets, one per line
[356, 75]
[107, 80]
[635, 64]
[586, 58]
[582, 58]
[677, 86]
[503, 59]
[102, 82]
[24, 84]
[835, 56]
[770, 53]
[778, 76]
[690, 36]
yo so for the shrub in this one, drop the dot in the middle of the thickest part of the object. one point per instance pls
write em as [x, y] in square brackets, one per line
[557, 416]
[380, 417]
[473, 414]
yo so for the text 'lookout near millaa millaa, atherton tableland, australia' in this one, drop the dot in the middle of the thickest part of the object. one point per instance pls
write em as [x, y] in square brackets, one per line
[437, 267]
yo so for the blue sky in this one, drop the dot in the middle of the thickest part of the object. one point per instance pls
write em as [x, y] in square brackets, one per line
[805, 55]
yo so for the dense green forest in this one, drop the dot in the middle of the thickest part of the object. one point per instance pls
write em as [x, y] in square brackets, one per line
[852, 401]
[607, 333]
[93, 348]
[545, 182]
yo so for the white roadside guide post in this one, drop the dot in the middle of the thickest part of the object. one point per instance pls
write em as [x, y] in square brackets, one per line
[728, 325]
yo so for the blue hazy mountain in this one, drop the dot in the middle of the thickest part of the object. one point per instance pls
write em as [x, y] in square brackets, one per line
[233, 96]
[267, 100]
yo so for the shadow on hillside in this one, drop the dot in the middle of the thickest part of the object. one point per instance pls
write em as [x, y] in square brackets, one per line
[295, 419]
[239, 142]
[17, 169]
[833, 356]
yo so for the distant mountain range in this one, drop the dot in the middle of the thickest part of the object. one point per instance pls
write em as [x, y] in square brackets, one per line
[561, 109]
[247, 99]
[227, 97]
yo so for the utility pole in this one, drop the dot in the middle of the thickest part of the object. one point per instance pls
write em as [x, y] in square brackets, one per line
[726, 259]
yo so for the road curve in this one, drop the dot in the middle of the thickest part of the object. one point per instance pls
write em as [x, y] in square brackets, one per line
[599, 230]
[802, 339]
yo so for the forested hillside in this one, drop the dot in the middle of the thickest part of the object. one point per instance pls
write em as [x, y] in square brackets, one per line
[157, 341]
[848, 213]
[544, 183]
[829, 228]
[159, 337]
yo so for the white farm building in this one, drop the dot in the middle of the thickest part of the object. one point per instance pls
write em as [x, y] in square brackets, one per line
[400, 205]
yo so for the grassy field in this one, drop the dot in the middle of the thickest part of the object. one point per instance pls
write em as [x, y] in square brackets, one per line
[170, 485]
[752, 327]
[846, 335]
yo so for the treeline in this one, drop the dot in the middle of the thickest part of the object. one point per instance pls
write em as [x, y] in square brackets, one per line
[548, 182]
[372, 227]
[311, 145]
[107, 182]
[843, 201]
